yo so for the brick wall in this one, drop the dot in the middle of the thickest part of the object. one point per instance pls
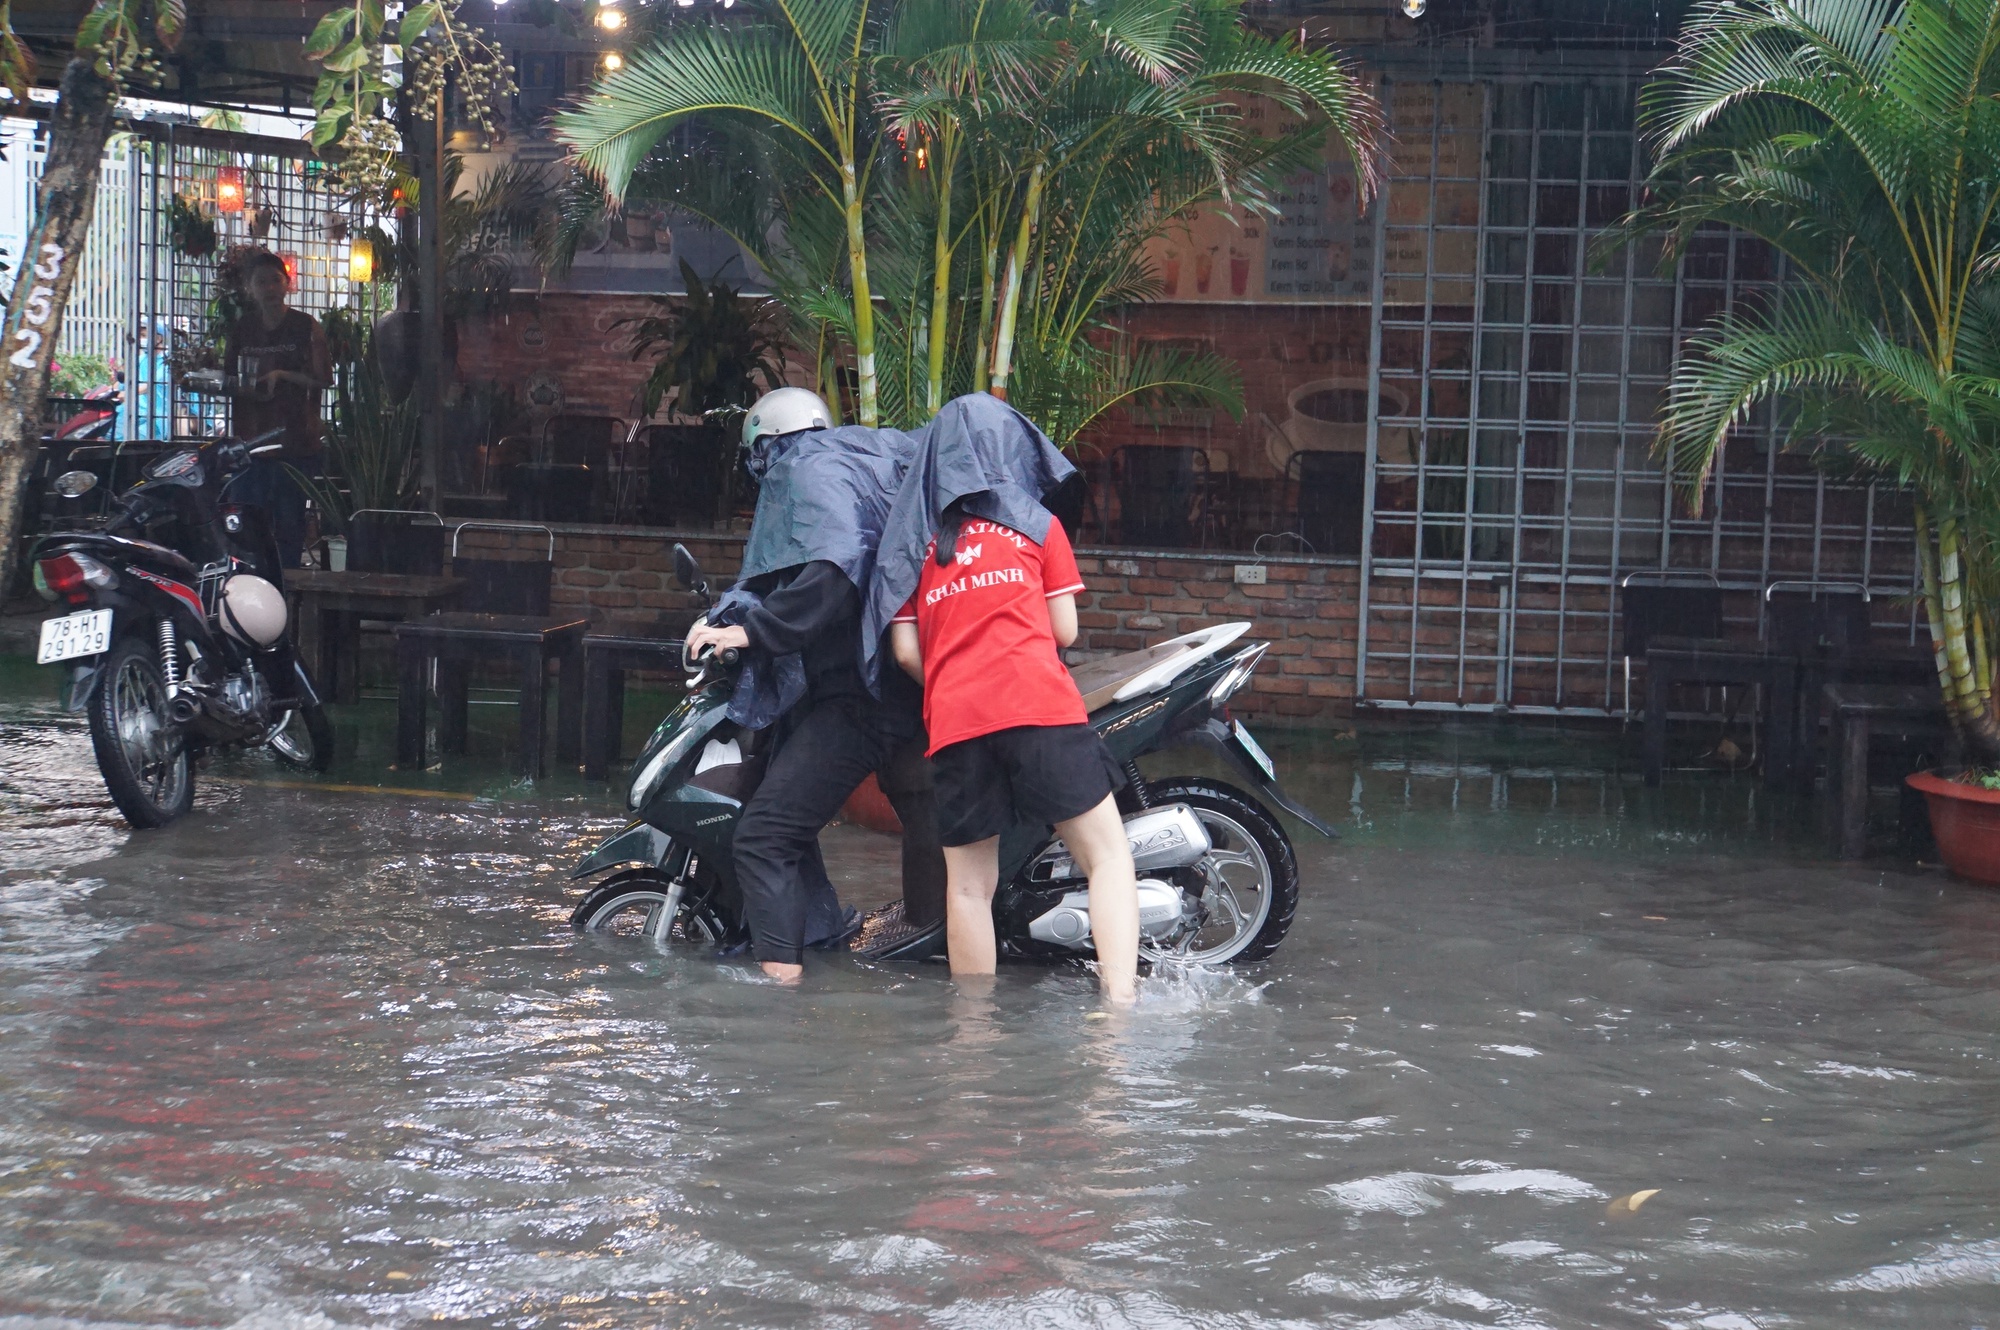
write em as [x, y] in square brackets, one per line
[1306, 610]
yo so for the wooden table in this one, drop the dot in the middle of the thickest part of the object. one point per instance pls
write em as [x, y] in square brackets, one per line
[607, 654]
[454, 641]
[1902, 666]
[1672, 660]
[340, 601]
[1860, 713]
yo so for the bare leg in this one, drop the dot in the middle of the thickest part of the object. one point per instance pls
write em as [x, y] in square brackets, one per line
[783, 972]
[1097, 842]
[972, 873]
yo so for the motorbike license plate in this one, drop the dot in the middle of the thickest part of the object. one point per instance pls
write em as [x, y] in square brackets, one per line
[85, 633]
[1255, 750]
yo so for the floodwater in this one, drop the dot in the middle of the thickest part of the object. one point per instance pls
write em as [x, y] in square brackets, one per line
[331, 1058]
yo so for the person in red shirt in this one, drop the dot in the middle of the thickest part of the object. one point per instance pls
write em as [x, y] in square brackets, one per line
[1009, 736]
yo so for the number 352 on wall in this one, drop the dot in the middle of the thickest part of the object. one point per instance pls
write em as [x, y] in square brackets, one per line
[41, 304]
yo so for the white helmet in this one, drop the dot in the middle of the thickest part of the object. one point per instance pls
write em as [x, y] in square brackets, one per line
[785, 411]
[253, 611]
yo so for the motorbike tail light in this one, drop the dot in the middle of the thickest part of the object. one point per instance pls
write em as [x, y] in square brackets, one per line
[1241, 667]
[72, 577]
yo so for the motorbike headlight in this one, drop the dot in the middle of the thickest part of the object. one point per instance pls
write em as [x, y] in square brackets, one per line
[1241, 667]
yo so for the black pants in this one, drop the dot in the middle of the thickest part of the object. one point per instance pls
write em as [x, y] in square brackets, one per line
[832, 749]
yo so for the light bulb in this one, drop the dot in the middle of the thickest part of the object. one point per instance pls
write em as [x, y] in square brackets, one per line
[609, 19]
[613, 61]
[1414, 8]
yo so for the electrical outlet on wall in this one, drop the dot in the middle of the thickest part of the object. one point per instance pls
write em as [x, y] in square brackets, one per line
[1249, 574]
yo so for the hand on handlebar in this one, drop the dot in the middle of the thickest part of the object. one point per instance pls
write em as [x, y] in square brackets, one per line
[705, 637]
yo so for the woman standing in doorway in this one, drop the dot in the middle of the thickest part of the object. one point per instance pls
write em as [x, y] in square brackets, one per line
[280, 360]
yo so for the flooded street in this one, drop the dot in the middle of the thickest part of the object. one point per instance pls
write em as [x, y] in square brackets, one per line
[334, 1058]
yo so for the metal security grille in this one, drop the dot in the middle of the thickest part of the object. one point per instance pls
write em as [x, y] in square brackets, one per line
[136, 275]
[1519, 374]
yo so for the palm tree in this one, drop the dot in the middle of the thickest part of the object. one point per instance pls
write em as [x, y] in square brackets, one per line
[797, 76]
[1860, 138]
[1014, 160]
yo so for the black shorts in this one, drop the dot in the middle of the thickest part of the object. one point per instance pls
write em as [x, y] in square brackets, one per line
[1036, 774]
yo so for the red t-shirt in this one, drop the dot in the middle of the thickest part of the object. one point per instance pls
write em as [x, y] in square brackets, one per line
[990, 660]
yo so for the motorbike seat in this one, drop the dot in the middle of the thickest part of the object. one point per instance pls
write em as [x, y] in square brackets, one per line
[1128, 675]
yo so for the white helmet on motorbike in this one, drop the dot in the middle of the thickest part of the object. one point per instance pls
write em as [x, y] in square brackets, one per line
[253, 611]
[785, 411]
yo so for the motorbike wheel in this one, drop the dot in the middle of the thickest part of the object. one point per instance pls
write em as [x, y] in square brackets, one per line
[1252, 888]
[633, 904]
[304, 739]
[142, 753]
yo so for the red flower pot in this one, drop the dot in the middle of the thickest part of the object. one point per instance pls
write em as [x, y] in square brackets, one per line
[1965, 819]
[869, 807]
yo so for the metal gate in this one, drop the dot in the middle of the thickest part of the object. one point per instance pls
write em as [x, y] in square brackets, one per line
[1518, 375]
[142, 300]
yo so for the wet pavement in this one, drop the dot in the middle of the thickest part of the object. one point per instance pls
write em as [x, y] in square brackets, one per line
[330, 1056]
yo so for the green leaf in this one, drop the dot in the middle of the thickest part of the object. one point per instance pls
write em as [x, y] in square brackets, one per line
[328, 33]
[372, 20]
[329, 126]
[169, 21]
[416, 21]
[348, 58]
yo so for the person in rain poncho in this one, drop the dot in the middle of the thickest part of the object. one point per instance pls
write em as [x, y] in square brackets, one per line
[796, 608]
[979, 584]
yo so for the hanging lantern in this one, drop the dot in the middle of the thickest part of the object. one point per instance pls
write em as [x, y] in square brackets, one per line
[291, 262]
[229, 190]
[361, 261]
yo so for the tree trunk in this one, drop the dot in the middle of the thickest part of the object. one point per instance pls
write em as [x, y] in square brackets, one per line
[47, 270]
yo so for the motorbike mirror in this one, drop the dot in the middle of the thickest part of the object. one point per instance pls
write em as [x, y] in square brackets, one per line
[687, 569]
[75, 484]
[204, 381]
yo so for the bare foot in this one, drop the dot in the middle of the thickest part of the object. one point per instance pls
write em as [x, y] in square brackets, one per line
[1123, 995]
[782, 972]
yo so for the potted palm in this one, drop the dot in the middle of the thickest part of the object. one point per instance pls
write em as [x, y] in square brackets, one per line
[1866, 154]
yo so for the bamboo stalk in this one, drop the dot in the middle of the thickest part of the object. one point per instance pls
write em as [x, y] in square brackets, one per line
[1934, 606]
[1951, 579]
[864, 308]
[940, 316]
[1010, 299]
[989, 259]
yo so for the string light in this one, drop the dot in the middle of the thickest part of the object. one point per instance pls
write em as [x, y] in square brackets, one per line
[1415, 8]
[610, 18]
[613, 61]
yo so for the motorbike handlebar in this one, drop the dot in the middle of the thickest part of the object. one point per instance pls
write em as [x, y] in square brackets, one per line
[728, 658]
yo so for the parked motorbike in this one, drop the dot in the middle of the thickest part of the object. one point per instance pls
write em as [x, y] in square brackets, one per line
[95, 416]
[1218, 880]
[176, 643]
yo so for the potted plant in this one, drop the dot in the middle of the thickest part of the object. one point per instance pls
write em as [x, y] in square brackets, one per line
[373, 453]
[710, 349]
[1862, 152]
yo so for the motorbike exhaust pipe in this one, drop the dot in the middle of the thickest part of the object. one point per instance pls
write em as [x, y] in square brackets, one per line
[184, 709]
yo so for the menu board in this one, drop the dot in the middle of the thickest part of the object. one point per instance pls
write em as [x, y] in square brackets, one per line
[1318, 248]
